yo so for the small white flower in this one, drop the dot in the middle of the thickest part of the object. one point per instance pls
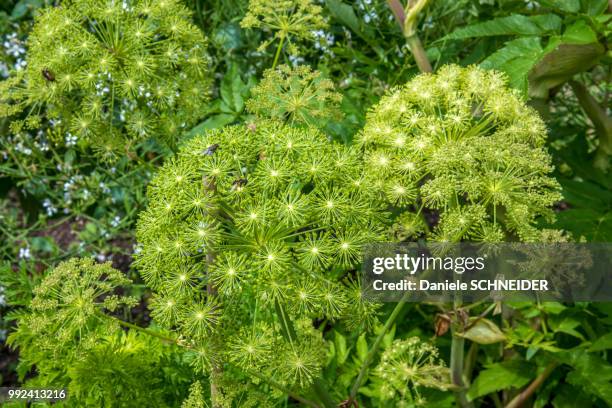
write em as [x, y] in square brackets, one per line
[24, 253]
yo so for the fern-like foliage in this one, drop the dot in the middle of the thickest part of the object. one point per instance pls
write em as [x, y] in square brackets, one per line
[249, 233]
[108, 73]
[463, 150]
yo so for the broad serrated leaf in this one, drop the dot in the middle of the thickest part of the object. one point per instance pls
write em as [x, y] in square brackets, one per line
[569, 6]
[516, 24]
[516, 59]
[595, 7]
[602, 343]
[567, 396]
[483, 331]
[501, 376]
[591, 373]
[595, 226]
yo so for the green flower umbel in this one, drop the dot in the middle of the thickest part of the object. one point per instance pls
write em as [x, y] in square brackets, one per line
[298, 95]
[67, 307]
[249, 235]
[463, 150]
[406, 366]
[111, 72]
[289, 20]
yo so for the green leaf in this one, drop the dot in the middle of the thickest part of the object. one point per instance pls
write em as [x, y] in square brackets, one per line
[341, 350]
[531, 351]
[483, 331]
[602, 343]
[591, 373]
[232, 87]
[22, 8]
[515, 24]
[516, 59]
[568, 326]
[228, 36]
[362, 347]
[553, 307]
[549, 23]
[345, 14]
[214, 122]
[570, 6]
[501, 376]
[44, 244]
[567, 396]
[594, 7]
[579, 33]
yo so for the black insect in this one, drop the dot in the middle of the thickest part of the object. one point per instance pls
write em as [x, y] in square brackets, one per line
[48, 75]
[210, 150]
[239, 183]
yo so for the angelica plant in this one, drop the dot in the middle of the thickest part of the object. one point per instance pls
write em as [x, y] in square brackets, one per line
[109, 73]
[250, 234]
[69, 335]
[406, 366]
[461, 148]
[298, 95]
[289, 20]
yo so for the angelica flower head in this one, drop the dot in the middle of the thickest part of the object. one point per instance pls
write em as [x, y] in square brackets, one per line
[461, 145]
[289, 20]
[113, 74]
[278, 211]
[68, 302]
[296, 95]
[406, 366]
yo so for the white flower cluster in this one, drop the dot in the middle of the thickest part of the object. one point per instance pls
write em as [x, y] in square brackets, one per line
[14, 48]
[368, 11]
[324, 41]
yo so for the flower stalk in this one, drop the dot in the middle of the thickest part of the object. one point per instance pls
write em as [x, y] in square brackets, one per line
[377, 343]
[601, 121]
[518, 401]
[278, 52]
[407, 19]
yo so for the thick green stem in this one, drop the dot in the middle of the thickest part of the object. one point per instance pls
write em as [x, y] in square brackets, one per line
[520, 399]
[418, 52]
[372, 352]
[217, 370]
[456, 367]
[407, 20]
[470, 361]
[601, 121]
[457, 356]
[278, 52]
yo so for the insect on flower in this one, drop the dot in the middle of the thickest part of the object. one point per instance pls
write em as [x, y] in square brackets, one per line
[238, 184]
[48, 74]
[210, 150]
